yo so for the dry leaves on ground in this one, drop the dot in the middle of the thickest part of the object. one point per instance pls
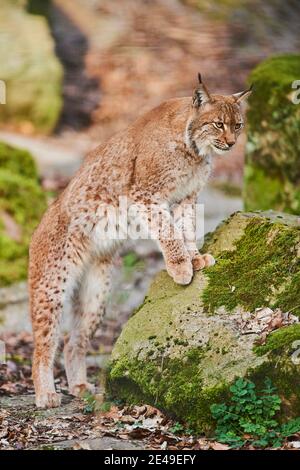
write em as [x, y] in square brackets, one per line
[263, 321]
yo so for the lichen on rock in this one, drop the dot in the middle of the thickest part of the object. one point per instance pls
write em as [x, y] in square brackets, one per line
[272, 171]
[182, 349]
[22, 203]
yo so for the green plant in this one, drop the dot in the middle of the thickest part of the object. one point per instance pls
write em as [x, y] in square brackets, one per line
[131, 264]
[93, 404]
[130, 260]
[90, 403]
[177, 428]
[250, 417]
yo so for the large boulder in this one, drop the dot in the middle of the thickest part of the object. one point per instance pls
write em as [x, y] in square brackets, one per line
[29, 68]
[22, 203]
[185, 346]
[272, 171]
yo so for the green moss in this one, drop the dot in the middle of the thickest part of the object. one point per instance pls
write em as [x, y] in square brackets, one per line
[17, 161]
[272, 176]
[22, 199]
[12, 269]
[229, 189]
[262, 263]
[266, 191]
[288, 298]
[272, 80]
[279, 339]
[171, 384]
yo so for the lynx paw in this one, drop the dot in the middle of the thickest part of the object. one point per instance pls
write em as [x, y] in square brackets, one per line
[48, 400]
[80, 389]
[209, 260]
[202, 261]
[181, 273]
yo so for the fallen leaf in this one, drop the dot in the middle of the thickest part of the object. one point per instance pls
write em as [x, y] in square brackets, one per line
[164, 445]
[263, 312]
[219, 446]
[113, 413]
[295, 444]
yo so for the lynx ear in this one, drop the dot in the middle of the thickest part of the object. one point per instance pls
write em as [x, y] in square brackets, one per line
[201, 94]
[239, 97]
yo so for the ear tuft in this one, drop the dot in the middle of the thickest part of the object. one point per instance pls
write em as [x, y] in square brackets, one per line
[201, 94]
[239, 97]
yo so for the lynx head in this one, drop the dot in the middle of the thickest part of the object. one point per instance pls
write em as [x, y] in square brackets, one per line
[216, 120]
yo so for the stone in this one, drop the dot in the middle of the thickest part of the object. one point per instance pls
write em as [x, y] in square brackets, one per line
[272, 171]
[30, 70]
[184, 347]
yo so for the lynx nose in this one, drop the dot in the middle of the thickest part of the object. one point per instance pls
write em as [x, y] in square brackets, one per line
[230, 144]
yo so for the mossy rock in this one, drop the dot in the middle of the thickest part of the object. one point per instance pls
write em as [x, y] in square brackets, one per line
[17, 161]
[32, 73]
[182, 349]
[272, 171]
[22, 203]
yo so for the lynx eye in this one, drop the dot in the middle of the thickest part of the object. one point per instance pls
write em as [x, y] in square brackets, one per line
[238, 126]
[218, 125]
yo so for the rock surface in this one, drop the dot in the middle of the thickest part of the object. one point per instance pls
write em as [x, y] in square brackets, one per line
[272, 174]
[30, 70]
[185, 345]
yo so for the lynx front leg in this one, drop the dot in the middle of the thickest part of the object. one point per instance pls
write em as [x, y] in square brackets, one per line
[88, 310]
[176, 255]
[177, 259]
[185, 219]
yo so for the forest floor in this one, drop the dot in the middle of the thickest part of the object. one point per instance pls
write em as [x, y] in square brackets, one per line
[91, 423]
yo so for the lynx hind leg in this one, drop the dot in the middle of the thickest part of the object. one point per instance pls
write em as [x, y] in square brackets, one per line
[50, 297]
[45, 323]
[88, 310]
[46, 302]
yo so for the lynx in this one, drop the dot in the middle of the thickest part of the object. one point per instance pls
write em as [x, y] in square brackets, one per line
[163, 158]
